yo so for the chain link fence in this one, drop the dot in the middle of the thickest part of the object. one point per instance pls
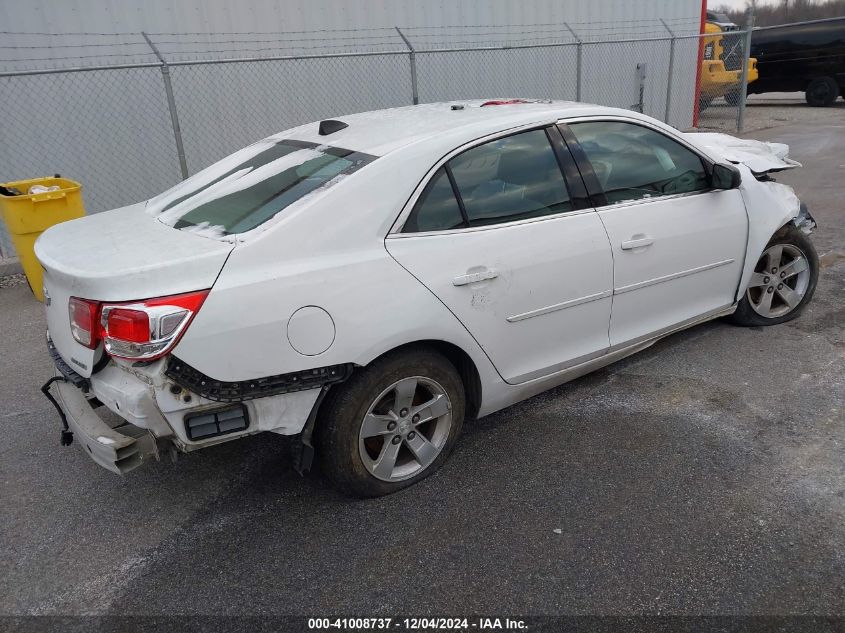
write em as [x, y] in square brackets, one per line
[548, 72]
[260, 98]
[129, 131]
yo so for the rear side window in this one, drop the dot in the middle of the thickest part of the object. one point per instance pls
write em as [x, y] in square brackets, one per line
[511, 178]
[437, 208]
[245, 190]
[633, 162]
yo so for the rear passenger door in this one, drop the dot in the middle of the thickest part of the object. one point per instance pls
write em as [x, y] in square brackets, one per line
[678, 244]
[513, 249]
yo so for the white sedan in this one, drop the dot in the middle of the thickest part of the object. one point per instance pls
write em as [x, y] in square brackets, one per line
[367, 283]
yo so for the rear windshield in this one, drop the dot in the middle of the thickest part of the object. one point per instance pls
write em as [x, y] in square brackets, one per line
[251, 186]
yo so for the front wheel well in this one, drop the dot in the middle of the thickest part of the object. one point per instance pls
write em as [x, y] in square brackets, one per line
[804, 222]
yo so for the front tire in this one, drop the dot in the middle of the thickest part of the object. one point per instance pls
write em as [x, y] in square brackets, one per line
[783, 281]
[391, 424]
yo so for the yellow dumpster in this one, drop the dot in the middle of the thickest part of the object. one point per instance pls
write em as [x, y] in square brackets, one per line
[28, 215]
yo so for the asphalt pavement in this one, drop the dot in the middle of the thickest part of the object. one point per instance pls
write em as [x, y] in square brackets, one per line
[705, 475]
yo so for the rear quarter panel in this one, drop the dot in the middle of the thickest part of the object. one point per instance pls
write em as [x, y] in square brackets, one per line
[329, 254]
[241, 332]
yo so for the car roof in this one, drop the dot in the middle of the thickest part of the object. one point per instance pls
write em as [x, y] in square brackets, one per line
[380, 132]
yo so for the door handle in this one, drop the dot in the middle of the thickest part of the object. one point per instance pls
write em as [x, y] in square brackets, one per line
[638, 242]
[471, 278]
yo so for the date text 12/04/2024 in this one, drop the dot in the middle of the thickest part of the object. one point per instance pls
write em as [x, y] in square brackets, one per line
[416, 624]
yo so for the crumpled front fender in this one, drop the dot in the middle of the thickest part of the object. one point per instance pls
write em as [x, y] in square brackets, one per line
[770, 206]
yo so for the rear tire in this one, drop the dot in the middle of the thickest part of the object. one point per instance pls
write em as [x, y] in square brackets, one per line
[783, 281]
[391, 424]
[822, 91]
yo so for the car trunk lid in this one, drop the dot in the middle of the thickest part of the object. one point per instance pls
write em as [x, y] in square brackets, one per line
[120, 255]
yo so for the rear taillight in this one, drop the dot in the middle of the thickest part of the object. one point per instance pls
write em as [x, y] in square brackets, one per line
[138, 330]
[147, 330]
[83, 321]
[127, 325]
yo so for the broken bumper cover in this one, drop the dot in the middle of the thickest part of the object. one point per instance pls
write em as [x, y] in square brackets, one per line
[124, 415]
[804, 220]
[119, 449]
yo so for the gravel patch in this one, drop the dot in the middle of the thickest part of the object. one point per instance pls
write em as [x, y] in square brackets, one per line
[10, 281]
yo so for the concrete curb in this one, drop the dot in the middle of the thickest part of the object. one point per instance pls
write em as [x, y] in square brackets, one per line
[10, 266]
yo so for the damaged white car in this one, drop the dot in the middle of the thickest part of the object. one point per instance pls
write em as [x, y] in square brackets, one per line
[367, 283]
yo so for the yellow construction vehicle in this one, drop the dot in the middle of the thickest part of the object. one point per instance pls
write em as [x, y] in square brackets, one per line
[721, 64]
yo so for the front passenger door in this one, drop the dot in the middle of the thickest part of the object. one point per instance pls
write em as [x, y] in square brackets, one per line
[678, 245]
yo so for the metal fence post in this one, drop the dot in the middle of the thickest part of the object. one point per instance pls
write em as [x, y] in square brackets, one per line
[639, 106]
[578, 58]
[171, 105]
[668, 109]
[412, 56]
[743, 79]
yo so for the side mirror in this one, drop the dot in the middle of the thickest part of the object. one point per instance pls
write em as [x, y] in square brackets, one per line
[726, 176]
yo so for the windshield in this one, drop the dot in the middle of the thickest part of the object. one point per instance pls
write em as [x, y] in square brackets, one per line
[251, 186]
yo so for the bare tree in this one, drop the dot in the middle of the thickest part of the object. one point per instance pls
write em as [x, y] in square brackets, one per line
[786, 11]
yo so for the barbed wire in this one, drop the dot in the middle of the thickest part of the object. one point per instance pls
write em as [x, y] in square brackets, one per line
[187, 42]
[93, 45]
[122, 33]
[358, 30]
[437, 36]
[345, 47]
[555, 24]
[51, 59]
[361, 39]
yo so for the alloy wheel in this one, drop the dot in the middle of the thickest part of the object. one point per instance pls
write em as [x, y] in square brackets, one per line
[405, 429]
[779, 282]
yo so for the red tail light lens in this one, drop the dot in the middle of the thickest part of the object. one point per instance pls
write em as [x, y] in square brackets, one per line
[138, 330]
[147, 330]
[83, 321]
[128, 325]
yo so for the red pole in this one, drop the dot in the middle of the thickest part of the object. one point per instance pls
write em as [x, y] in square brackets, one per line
[698, 68]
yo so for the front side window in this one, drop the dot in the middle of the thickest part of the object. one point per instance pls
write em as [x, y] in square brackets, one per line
[511, 178]
[633, 162]
[248, 188]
